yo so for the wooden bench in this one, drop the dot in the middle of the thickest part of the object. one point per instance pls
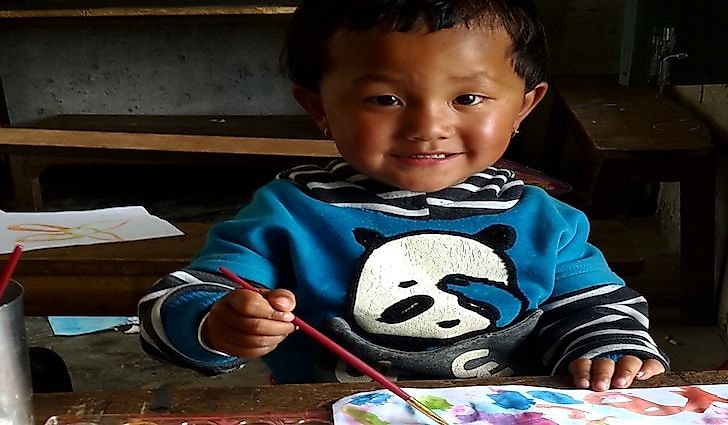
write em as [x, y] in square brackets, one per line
[109, 279]
[82, 139]
[636, 132]
[87, 9]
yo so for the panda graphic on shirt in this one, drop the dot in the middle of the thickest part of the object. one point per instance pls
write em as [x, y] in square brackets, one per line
[436, 304]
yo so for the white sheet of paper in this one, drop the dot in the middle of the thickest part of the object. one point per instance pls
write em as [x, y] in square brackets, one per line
[518, 404]
[38, 230]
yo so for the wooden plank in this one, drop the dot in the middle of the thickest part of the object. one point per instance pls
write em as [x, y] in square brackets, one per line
[84, 295]
[264, 126]
[39, 142]
[616, 119]
[121, 8]
[150, 256]
[103, 279]
[306, 400]
[134, 138]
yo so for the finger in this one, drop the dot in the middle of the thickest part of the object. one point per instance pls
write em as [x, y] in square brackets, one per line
[602, 371]
[650, 368]
[580, 372]
[281, 299]
[234, 348]
[252, 304]
[625, 371]
[222, 336]
[259, 326]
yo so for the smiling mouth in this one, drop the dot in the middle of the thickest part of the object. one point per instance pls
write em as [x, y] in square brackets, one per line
[430, 156]
[438, 155]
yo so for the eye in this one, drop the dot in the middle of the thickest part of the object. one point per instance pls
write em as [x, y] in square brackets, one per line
[469, 99]
[407, 284]
[385, 100]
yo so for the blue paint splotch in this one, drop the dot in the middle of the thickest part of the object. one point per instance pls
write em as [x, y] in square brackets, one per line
[377, 398]
[554, 397]
[511, 400]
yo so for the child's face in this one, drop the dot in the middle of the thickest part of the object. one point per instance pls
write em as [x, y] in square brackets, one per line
[420, 111]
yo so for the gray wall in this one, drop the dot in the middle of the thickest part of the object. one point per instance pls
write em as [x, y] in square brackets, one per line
[585, 35]
[219, 66]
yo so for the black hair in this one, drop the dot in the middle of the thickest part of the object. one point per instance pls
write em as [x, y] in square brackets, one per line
[315, 21]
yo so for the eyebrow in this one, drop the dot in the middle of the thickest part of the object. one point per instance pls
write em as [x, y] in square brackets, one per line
[481, 76]
[376, 78]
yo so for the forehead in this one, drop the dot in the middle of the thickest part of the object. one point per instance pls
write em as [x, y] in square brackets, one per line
[452, 51]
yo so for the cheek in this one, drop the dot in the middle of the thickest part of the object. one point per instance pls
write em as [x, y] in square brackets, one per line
[362, 136]
[488, 132]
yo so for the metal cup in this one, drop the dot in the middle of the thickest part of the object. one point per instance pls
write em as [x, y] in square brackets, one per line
[15, 386]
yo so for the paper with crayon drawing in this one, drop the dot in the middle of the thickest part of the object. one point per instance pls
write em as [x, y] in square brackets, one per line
[516, 404]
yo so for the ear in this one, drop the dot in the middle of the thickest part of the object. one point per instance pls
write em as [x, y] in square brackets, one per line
[310, 101]
[498, 236]
[368, 237]
[530, 100]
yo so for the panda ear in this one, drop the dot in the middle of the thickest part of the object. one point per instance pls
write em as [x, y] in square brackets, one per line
[497, 236]
[368, 237]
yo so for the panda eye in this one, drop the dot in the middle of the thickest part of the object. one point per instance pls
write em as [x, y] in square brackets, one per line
[407, 284]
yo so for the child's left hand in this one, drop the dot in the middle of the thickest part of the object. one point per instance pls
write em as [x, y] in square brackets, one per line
[601, 373]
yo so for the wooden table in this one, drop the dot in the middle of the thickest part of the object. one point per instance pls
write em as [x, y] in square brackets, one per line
[635, 132]
[312, 400]
[105, 279]
[109, 279]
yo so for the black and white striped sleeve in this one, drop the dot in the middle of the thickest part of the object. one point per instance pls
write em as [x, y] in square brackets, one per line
[170, 316]
[594, 322]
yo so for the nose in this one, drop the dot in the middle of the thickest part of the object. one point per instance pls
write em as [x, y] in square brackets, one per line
[427, 122]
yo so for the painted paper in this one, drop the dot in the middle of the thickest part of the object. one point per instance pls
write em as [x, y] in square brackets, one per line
[517, 404]
[67, 228]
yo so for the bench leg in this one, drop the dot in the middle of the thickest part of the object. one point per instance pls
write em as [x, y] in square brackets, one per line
[26, 184]
[697, 243]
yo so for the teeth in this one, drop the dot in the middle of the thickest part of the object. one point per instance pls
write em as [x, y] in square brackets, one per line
[430, 156]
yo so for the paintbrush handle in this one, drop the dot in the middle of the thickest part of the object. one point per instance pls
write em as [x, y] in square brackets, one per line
[350, 358]
[364, 368]
[327, 342]
[345, 355]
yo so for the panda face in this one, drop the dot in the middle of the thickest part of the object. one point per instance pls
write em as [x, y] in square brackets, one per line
[402, 288]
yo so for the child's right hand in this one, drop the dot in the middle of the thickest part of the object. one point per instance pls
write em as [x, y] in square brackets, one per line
[249, 324]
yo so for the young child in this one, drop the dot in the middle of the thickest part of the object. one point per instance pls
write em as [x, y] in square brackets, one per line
[411, 251]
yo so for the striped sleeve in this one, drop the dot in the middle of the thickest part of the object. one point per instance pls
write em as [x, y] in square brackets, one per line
[170, 316]
[594, 322]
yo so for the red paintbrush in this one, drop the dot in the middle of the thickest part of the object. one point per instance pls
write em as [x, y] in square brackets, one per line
[347, 356]
[9, 268]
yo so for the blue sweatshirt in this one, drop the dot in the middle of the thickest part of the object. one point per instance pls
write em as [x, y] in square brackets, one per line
[489, 277]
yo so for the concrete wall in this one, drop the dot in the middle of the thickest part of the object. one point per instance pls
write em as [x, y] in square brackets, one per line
[585, 36]
[203, 67]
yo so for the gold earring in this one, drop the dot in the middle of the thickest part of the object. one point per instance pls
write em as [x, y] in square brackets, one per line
[515, 132]
[327, 132]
